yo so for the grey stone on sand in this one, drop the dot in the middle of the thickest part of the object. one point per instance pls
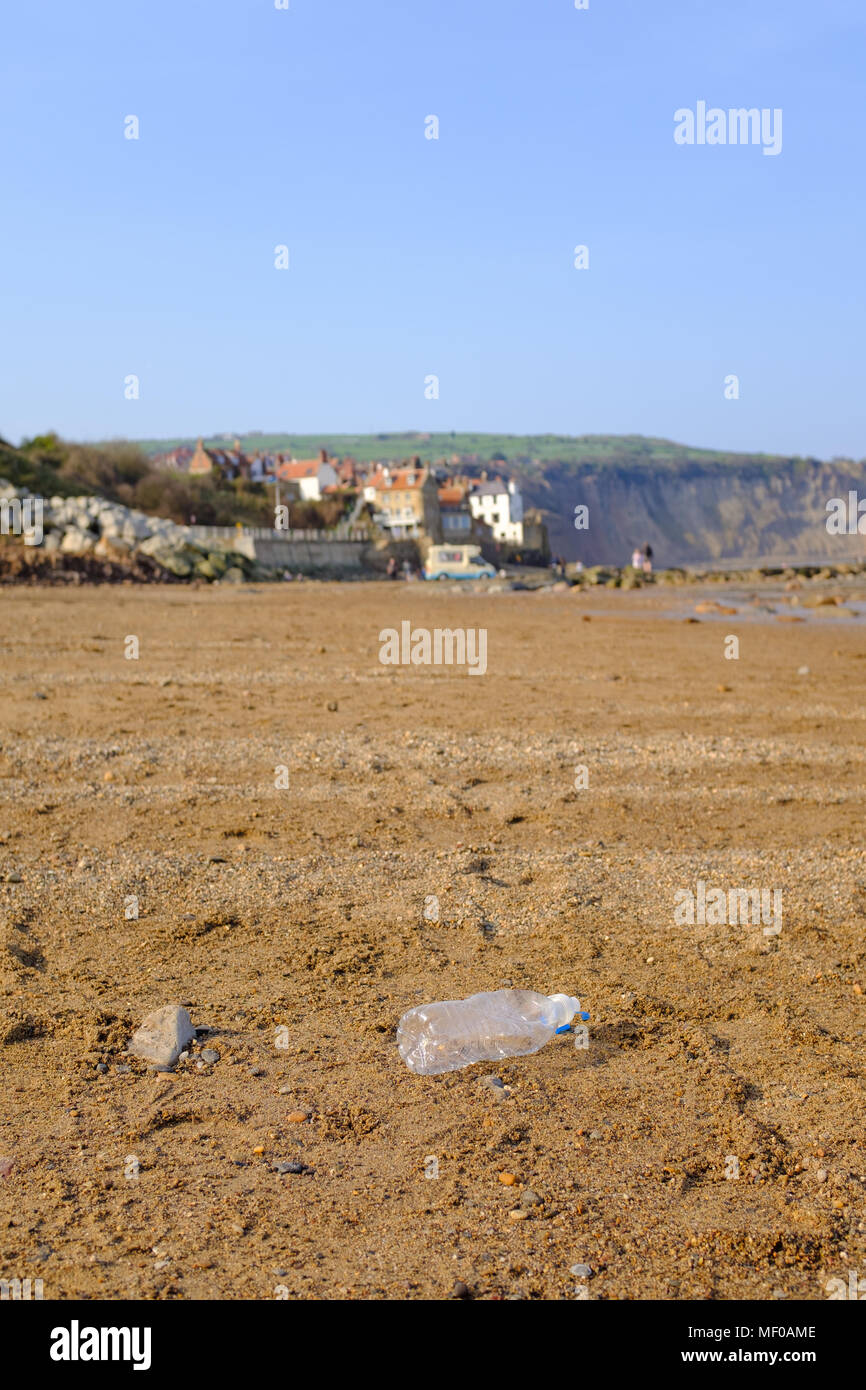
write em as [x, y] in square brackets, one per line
[163, 1035]
[210, 1055]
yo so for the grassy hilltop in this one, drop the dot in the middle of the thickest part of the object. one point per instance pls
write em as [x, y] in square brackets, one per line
[520, 451]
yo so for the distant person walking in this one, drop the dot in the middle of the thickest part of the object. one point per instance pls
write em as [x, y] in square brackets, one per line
[647, 559]
[637, 557]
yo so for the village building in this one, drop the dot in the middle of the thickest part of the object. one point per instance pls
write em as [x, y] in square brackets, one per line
[228, 463]
[313, 477]
[347, 473]
[459, 526]
[262, 466]
[175, 458]
[406, 502]
[500, 505]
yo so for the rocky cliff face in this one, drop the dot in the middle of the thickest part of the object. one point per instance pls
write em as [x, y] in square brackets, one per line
[698, 513]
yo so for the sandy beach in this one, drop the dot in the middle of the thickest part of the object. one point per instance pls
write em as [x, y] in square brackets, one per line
[281, 810]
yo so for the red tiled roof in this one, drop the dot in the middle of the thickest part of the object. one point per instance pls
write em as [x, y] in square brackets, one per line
[451, 496]
[300, 468]
[398, 478]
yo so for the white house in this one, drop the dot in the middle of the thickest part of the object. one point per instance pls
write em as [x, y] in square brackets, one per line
[500, 506]
[312, 476]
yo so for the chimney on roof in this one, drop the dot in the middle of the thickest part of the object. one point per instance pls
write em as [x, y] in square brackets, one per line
[323, 456]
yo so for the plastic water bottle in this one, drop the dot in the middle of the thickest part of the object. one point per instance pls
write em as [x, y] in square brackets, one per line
[455, 1033]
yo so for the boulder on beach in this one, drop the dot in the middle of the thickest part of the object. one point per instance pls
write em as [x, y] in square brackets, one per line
[77, 541]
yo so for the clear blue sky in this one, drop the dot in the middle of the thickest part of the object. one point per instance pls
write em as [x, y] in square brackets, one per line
[412, 256]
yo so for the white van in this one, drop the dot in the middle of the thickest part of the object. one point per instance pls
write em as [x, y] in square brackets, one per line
[457, 562]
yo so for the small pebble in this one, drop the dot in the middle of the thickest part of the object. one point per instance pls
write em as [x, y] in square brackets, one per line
[821, 1175]
[6, 1166]
[101, 1067]
[257, 1071]
[508, 1179]
[285, 1090]
[460, 1290]
[493, 1083]
[297, 1117]
[802, 670]
[290, 1167]
[210, 1055]
[259, 1149]
[518, 1215]
[581, 1271]
[530, 1199]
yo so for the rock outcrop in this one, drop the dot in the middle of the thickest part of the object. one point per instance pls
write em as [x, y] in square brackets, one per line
[110, 532]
